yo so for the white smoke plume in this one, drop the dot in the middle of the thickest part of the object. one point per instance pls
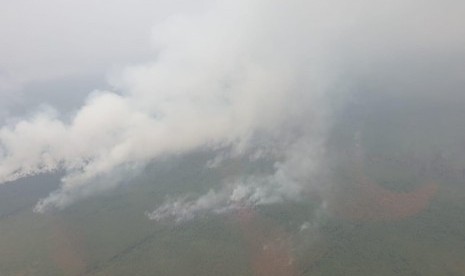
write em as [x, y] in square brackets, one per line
[238, 73]
[299, 173]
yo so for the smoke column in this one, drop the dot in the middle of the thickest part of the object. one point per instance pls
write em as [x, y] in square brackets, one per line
[238, 75]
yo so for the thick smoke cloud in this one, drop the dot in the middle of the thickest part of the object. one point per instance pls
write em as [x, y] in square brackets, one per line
[239, 75]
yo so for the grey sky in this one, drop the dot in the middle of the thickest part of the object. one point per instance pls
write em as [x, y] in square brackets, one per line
[46, 44]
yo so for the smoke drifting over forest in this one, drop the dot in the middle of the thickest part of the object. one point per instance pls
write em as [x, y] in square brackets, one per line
[271, 80]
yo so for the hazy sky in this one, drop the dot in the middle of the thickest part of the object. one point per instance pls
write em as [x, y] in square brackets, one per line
[73, 45]
[94, 87]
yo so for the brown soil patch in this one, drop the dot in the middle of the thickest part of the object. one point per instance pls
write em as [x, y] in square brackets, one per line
[367, 200]
[66, 251]
[269, 246]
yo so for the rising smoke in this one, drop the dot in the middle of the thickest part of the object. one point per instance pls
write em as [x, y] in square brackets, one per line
[239, 75]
